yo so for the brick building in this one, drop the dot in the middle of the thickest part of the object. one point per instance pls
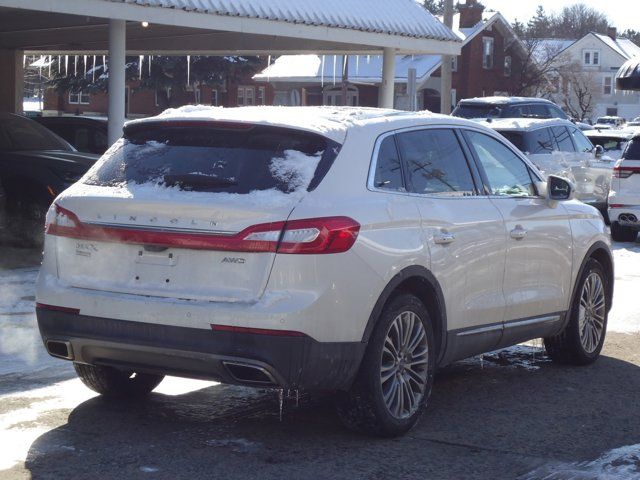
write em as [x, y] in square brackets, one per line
[489, 64]
[146, 102]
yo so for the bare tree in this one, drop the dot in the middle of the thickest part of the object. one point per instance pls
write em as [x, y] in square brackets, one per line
[537, 66]
[579, 90]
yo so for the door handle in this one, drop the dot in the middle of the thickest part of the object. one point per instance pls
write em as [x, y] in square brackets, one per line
[444, 238]
[518, 233]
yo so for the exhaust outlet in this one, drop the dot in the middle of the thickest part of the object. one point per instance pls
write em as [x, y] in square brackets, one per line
[57, 348]
[247, 373]
[632, 218]
[623, 218]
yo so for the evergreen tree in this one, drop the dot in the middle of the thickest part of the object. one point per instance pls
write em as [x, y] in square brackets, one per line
[539, 25]
[436, 7]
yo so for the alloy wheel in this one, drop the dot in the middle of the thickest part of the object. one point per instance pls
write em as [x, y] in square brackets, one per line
[592, 312]
[404, 365]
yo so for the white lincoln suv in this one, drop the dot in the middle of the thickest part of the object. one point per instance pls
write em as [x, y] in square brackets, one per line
[333, 249]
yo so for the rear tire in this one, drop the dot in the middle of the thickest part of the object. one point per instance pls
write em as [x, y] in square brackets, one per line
[111, 382]
[580, 343]
[396, 375]
[622, 234]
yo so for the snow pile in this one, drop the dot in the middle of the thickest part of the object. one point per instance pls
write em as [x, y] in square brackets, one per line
[296, 169]
[625, 315]
[620, 464]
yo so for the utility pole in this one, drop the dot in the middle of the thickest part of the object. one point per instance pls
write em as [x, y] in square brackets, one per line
[445, 69]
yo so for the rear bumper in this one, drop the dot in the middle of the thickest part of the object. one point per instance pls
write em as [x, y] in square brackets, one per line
[626, 215]
[228, 357]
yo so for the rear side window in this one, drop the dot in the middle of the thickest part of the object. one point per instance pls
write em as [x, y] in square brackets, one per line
[517, 138]
[582, 143]
[477, 110]
[21, 134]
[388, 171]
[435, 163]
[633, 150]
[234, 159]
[562, 139]
[538, 111]
[539, 142]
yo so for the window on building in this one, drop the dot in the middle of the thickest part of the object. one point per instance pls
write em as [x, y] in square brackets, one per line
[487, 52]
[79, 97]
[333, 95]
[250, 95]
[214, 97]
[591, 57]
[260, 96]
[507, 65]
[157, 97]
[608, 85]
[454, 64]
[197, 95]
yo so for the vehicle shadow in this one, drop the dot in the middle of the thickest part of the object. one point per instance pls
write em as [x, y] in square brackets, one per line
[499, 417]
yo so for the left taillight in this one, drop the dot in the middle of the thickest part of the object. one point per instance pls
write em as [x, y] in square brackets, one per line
[63, 222]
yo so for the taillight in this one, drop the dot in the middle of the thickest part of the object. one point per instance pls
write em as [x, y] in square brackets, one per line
[624, 172]
[309, 236]
[312, 236]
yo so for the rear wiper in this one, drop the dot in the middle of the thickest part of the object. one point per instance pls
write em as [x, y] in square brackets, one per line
[197, 181]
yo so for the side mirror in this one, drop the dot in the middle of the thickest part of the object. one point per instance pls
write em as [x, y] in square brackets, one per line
[599, 151]
[559, 188]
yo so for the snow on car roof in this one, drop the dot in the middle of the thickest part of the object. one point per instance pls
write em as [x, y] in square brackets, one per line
[622, 134]
[332, 122]
[503, 100]
[524, 123]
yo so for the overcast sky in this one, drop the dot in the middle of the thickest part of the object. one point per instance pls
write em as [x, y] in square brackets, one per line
[623, 14]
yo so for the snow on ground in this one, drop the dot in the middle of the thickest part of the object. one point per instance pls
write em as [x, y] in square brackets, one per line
[619, 464]
[41, 384]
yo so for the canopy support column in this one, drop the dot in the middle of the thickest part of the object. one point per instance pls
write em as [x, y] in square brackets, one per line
[12, 81]
[387, 89]
[117, 87]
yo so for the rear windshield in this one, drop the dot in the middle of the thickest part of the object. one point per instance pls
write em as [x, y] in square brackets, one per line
[228, 158]
[479, 110]
[514, 137]
[633, 150]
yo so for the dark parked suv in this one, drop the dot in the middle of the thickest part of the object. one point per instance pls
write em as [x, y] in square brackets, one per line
[86, 134]
[507, 107]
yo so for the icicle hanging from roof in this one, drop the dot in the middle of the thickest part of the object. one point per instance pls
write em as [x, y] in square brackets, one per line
[93, 69]
[24, 61]
[75, 65]
[59, 63]
[41, 62]
[345, 59]
[140, 62]
[188, 69]
[104, 64]
[84, 60]
[357, 65]
[66, 65]
[150, 58]
[49, 61]
[322, 72]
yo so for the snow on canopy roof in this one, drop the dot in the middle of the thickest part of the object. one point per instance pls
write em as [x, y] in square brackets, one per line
[395, 17]
[332, 122]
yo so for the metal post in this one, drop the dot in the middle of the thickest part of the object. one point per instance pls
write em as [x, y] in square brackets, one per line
[12, 81]
[117, 86]
[388, 78]
[412, 89]
[445, 70]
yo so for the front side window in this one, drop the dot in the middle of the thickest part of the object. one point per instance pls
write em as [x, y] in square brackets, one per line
[20, 134]
[435, 163]
[388, 171]
[487, 53]
[582, 143]
[506, 173]
[562, 139]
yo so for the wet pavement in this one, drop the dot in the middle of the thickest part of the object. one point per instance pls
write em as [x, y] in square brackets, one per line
[511, 414]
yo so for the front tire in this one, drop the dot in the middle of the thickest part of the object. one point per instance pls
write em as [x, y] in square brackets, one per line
[395, 378]
[622, 234]
[581, 341]
[111, 382]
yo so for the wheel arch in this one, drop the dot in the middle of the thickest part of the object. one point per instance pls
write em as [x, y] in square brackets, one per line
[601, 252]
[419, 281]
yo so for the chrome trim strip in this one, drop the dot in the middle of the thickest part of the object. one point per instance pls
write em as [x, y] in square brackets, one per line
[161, 229]
[511, 324]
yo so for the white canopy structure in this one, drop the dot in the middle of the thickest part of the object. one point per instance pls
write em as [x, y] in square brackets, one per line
[211, 27]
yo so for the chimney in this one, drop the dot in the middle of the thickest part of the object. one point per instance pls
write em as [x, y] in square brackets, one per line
[612, 32]
[470, 13]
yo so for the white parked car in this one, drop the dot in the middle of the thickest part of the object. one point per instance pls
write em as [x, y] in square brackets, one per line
[344, 250]
[558, 147]
[624, 198]
[608, 122]
[613, 142]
